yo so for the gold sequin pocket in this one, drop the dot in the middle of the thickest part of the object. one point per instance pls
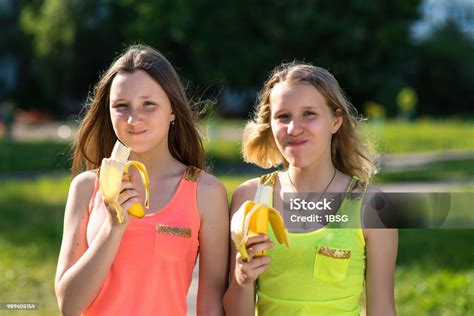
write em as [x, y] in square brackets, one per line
[172, 242]
[173, 230]
[330, 264]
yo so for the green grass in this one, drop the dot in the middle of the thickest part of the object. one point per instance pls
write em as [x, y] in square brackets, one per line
[30, 236]
[34, 156]
[424, 135]
[434, 273]
[456, 170]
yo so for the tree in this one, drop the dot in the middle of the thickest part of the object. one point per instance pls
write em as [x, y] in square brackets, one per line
[225, 43]
[444, 73]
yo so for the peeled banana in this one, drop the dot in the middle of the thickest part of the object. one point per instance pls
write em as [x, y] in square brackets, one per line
[253, 218]
[110, 180]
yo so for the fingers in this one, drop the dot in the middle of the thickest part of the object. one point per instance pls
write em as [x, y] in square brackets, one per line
[255, 238]
[258, 248]
[113, 208]
[256, 244]
[248, 272]
[255, 263]
[130, 182]
[129, 195]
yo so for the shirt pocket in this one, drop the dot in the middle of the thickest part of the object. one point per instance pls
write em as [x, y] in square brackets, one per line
[172, 242]
[330, 264]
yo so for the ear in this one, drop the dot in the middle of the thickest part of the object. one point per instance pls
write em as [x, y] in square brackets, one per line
[338, 118]
[173, 117]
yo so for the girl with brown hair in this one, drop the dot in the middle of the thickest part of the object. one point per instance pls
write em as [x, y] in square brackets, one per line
[143, 266]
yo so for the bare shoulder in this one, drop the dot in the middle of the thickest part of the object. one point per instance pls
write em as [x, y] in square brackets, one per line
[373, 189]
[370, 213]
[85, 179]
[209, 185]
[212, 195]
[81, 189]
[245, 191]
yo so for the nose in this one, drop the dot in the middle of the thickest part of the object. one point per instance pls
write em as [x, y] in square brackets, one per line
[134, 117]
[295, 128]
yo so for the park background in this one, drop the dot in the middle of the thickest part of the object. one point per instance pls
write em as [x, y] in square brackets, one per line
[407, 66]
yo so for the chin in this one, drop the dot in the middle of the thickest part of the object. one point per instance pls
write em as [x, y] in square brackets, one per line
[297, 162]
[138, 146]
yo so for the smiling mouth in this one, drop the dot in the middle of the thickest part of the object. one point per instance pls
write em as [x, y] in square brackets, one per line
[136, 133]
[296, 144]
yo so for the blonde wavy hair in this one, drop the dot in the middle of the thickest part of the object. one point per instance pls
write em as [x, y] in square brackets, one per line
[348, 153]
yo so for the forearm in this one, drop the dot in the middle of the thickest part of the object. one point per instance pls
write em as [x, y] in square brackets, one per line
[80, 284]
[239, 300]
[381, 306]
[382, 310]
[210, 302]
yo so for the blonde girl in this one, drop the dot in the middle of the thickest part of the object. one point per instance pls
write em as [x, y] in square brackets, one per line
[304, 123]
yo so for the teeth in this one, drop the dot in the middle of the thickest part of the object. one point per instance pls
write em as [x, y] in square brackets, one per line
[253, 218]
[110, 180]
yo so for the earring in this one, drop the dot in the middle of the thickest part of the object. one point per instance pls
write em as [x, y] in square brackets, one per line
[172, 122]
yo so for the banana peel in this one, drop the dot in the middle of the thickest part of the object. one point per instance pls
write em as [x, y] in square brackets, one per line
[110, 180]
[253, 218]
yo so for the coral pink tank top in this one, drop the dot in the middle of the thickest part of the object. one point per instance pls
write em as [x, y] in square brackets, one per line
[153, 267]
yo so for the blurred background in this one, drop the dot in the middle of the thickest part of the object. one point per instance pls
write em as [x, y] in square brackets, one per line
[407, 66]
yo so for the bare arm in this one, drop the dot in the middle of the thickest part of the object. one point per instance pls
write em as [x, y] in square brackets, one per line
[381, 249]
[239, 298]
[214, 246]
[81, 270]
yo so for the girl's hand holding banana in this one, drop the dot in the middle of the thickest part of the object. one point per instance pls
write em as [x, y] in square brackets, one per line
[112, 171]
[254, 218]
[128, 196]
[247, 271]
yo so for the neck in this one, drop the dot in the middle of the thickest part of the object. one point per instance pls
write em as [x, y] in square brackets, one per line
[158, 161]
[314, 178]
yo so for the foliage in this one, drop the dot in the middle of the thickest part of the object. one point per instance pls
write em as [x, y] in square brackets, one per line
[215, 43]
[443, 73]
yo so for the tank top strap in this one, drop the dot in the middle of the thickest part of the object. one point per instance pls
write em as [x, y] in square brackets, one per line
[264, 193]
[269, 179]
[356, 189]
[192, 174]
[185, 197]
[189, 183]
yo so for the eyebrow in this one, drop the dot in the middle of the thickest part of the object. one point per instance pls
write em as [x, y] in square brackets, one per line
[311, 107]
[140, 97]
[306, 107]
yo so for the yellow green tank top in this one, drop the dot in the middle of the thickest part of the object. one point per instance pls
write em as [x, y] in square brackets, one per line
[323, 271]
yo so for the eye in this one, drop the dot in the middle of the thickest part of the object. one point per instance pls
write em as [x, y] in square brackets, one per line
[282, 117]
[309, 113]
[119, 106]
[149, 103]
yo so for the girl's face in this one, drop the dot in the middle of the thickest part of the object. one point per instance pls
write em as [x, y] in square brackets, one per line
[302, 123]
[140, 111]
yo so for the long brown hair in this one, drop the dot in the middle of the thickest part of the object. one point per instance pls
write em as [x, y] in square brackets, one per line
[348, 153]
[96, 138]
